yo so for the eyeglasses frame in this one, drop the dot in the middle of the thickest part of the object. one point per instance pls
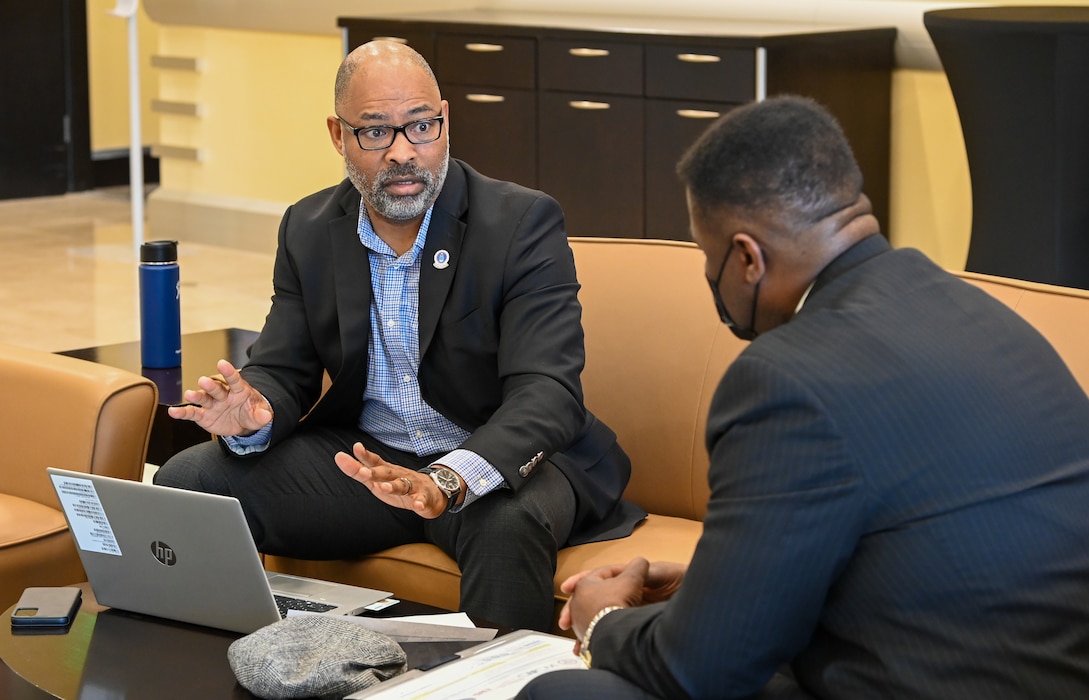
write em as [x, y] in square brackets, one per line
[403, 129]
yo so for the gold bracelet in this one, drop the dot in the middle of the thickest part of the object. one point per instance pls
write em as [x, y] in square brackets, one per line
[584, 650]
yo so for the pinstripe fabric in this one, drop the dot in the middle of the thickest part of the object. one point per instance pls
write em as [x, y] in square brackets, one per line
[899, 505]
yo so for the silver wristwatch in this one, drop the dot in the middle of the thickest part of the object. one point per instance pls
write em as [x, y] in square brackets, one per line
[448, 482]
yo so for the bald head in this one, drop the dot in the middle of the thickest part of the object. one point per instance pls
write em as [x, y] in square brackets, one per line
[380, 55]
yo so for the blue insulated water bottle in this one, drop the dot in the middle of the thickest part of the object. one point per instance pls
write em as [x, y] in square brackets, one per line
[160, 305]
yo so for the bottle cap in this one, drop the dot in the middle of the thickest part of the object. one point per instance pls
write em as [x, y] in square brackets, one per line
[159, 252]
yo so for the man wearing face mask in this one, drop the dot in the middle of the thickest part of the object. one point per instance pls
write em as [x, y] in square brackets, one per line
[899, 465]
[443, 307]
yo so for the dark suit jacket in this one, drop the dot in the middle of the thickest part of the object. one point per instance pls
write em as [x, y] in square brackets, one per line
[501, 341]
[899, 506]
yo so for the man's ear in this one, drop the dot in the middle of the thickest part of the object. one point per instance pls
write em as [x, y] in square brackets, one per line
[753, 255]
[336, 134]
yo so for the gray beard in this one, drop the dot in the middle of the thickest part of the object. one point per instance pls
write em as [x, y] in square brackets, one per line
[394, 208]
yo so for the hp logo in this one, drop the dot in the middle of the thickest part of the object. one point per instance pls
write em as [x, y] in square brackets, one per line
[163, 552]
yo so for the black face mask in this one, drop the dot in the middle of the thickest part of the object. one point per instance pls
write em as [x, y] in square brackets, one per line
[742, 333]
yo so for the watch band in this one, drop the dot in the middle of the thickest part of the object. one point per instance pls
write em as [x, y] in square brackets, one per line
[584, 649]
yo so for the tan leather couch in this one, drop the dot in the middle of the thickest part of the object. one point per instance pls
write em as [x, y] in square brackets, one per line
[59, 412]
[655, 351]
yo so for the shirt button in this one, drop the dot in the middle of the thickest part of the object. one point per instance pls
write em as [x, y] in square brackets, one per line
[483, 482]
[392, 324]
[406, 379]
[419, 433]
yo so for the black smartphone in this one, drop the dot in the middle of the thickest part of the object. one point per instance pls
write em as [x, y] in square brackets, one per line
[52, 607]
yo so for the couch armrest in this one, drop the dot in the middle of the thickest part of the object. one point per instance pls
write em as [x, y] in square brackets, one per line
[74, 414]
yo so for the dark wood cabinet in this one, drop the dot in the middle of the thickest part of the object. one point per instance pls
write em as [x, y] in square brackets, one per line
[597, 110]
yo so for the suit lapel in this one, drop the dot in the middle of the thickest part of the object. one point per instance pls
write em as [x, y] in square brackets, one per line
[442, 252]
[352, 280]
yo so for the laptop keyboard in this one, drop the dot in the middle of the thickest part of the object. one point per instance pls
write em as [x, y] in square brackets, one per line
[285, 603]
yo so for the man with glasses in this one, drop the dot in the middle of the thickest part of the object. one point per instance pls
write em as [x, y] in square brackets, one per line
[899, 465]
[442, 306]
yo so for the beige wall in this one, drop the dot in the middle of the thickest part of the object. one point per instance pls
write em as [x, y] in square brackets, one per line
[108, 76]
[263, 96]
[263, 99]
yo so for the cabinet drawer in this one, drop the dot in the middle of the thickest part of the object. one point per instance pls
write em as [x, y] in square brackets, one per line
[671, 127]
[492, 61]
[701, 73]
[495, 131]
[590, 158]
[592, 66]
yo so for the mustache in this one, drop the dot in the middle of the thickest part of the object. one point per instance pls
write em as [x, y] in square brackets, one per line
[402, 171]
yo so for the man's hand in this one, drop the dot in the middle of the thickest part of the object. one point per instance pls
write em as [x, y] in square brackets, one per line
[224, 407]
[660, 581]
[601, 588]
[398, 486]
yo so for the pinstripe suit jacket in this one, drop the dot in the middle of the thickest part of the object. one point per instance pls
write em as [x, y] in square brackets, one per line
[899, 506]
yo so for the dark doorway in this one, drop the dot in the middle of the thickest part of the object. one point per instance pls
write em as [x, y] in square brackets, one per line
[44, 112]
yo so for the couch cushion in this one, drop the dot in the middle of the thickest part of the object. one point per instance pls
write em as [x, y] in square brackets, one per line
[23, 521]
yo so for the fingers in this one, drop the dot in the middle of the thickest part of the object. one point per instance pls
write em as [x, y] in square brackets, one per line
[564, 620]
[603, 572]
[637, 568]
[365, 456]
[228, 371]
[348, 464]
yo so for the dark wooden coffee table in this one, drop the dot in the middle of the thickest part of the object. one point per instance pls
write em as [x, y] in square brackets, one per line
[200, 352]
[110, 653]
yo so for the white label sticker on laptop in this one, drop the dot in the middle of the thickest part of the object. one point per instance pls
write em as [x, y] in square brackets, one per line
[86, 517]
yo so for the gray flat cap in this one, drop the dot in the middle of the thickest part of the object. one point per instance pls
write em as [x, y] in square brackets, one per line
[307, 656]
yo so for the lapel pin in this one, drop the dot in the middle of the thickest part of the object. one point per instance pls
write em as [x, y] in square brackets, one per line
[442, 260]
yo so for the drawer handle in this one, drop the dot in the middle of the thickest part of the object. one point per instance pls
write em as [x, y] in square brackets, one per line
[484, 48]
[587, 104]
[698, 58]
[588, 53]
[398, 39]
[698, 114]
[484, 99]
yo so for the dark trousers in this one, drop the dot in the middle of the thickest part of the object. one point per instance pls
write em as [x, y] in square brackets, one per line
[299, 504]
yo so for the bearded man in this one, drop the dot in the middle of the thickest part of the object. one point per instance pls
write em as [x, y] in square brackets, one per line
[443, 307]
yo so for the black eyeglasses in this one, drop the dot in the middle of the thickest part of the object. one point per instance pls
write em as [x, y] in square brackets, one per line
[382, 136]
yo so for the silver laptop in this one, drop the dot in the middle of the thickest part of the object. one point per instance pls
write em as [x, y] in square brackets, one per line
[184, 555]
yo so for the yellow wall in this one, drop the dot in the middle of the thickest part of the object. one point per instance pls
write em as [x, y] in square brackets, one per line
[263, 99]
[108, 75]
[931, 199]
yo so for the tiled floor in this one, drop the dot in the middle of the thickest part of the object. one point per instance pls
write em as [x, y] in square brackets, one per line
[68, 275]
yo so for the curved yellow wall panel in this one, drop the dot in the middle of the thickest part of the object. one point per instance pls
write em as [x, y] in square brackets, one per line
[930, 184]
[262, 101]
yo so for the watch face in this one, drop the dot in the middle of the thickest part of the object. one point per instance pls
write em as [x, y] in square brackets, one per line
[447, 481]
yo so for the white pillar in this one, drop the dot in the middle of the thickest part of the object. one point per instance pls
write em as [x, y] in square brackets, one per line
[127, 9]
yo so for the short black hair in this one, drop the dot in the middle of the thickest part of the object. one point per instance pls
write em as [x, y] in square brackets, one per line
[784, 154]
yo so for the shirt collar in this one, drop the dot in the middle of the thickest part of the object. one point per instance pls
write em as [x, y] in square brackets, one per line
[372, 242]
